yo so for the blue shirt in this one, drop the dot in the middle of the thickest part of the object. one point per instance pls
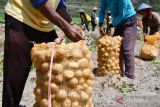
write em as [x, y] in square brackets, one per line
[38, 3]
[120, 10]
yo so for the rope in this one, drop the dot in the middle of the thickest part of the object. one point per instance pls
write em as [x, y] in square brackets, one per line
[50, 77]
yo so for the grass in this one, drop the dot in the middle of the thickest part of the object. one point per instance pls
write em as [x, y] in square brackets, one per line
[126, 88]
[93, 48]
[76, 20]
[156, 61]
[2, 20]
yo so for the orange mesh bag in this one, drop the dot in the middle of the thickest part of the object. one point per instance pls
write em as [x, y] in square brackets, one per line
[149, 50]
[72, 79]
[109, 60]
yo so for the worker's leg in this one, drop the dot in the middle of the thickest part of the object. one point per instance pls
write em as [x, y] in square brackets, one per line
[128, 31]
[93, 25]
[17, 60]
[87, 25]
[128, 45]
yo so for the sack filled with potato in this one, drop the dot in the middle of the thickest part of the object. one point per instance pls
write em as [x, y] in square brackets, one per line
[72, 79]
[149, 50]
[109, 58]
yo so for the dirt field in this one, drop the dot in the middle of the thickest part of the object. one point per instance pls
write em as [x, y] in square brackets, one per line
[107, 90]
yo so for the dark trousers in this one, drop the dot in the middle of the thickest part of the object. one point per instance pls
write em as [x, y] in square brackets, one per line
[93, 25]
[127, 30]
[86, 22]
[17, 58]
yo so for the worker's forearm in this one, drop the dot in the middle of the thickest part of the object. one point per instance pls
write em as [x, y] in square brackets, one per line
[63, 13]
[53, 16]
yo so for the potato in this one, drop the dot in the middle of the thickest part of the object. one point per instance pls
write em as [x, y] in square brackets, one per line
[84, 51]
[37, 91]
[66, 103]
[83, 63]
[84, 96]
[89, 91]
[73, 96]
[90, 82]
[91, 76]
[54, 88]
[68, 74]
[73, 82]
[81, 81]
[57, 68]
[73, 65]
[61, 95]
[44, 103]
[79, 88]
[75, 104]
[85, 73]
[45, 66]
[85, 86]
[77, 53]
[59, 79]
[78, 74]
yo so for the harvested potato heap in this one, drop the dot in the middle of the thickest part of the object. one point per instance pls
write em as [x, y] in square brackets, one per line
[109, 55]
[149, 50]
[72, 77]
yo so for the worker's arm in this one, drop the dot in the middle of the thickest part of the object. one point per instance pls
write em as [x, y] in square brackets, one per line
[62, 10]
[145, 27]
[157, 22]
[72, 32]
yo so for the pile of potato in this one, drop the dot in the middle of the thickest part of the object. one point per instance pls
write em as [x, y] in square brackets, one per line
[109, 60]
[72, 76]
[149, 50]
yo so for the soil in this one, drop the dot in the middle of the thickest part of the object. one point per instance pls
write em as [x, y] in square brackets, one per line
[108, 89]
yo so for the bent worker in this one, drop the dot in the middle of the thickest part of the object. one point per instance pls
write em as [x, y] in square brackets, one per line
[85, 19]
[150, 20]
[29, 21]
[124, 21]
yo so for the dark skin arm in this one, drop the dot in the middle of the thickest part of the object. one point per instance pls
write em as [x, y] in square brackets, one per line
[72, 32]
[63, 13]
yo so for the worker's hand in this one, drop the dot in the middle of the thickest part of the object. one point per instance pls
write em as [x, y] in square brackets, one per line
[74, 33]
[102, 30]
[59, 40]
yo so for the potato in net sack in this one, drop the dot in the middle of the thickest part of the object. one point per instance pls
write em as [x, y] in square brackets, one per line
[72, 78]
[149, 50]
[109, 60]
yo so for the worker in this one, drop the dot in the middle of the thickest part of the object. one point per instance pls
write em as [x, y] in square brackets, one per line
[85, 19]
[150, 20]
[124, 21]
[93, 18]
[108, 18]
[28, 21]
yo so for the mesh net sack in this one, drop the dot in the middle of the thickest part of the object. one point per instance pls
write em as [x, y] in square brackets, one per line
[72, 78]
[109, 60]
[149, 50]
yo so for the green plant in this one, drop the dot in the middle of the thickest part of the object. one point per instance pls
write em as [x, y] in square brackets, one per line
[2, 20]
[93, 48]
[76, 20]
[156, 61]
[126, 88]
